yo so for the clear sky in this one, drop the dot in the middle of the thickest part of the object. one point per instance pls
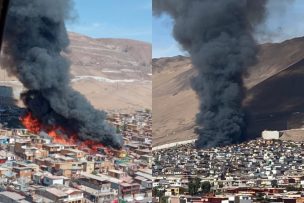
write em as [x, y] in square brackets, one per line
[285, 20]
[163, 42]
[130, 19]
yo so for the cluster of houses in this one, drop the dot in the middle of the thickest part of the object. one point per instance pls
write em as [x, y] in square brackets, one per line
[35, 169]
[259, 170]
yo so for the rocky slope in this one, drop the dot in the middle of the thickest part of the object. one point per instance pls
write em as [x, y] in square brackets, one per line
[114, 74]
[274, 92]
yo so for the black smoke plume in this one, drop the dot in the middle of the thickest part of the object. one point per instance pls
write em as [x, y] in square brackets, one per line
[218, 35]
[35, 35]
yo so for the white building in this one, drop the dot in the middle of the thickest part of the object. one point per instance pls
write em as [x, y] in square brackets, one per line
[52, 180]
[270, 135]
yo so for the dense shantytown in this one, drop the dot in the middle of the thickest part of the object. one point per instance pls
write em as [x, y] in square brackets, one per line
[38, 168]
[268, 169]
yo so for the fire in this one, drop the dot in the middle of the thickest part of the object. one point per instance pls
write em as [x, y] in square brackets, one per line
[59, 135]
[31, 123]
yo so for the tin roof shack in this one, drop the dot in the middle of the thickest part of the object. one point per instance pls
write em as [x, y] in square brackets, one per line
[129, 189]
[143, 151]
[20, 147]
[23, 134]
[141, 139]
[95, 182]
[34, 167]
[41, 153]
[12, 197]
[74, 153]
[23, 172]
[61, 165]
[18, 132]
[38, 141]
[62, 194]
[49, 180]
[114, 181]
[53, 194]
[117, 174]
[28, 151]
[147, 158]
[53, 148]
[132, 127]
[145, 183]
[88, 166]
[96, 187]
[103, 166]
[144, 178]
[128, 167]
[132, 146]
[68, 169]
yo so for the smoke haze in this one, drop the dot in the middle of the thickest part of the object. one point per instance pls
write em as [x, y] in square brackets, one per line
[218, 35]
[35, 36]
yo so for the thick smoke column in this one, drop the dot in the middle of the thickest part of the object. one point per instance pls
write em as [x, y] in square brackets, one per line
[218, 36]
[35, 36]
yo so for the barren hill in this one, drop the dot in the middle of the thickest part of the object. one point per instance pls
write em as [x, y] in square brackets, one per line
[114, 74]
[273, 85]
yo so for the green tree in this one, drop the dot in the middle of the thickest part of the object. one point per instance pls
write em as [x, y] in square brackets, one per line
[182, 190]
[194, 186]
[206, 186]
[164, 199]
[158, 192]
[274, 183]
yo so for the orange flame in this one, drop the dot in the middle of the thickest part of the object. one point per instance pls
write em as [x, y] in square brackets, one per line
[31, 123]
[59, 136]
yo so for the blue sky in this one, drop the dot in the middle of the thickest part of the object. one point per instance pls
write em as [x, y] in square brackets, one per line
[285, 20]
[130, 19]
[163, 42]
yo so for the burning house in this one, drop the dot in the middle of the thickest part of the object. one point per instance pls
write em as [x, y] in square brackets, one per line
[61, 136]
[34, 56]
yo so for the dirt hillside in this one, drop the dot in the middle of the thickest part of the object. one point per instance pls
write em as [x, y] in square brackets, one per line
[274, 92]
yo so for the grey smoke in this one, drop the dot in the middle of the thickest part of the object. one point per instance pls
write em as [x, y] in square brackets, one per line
[218, 35]
[35, 36]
